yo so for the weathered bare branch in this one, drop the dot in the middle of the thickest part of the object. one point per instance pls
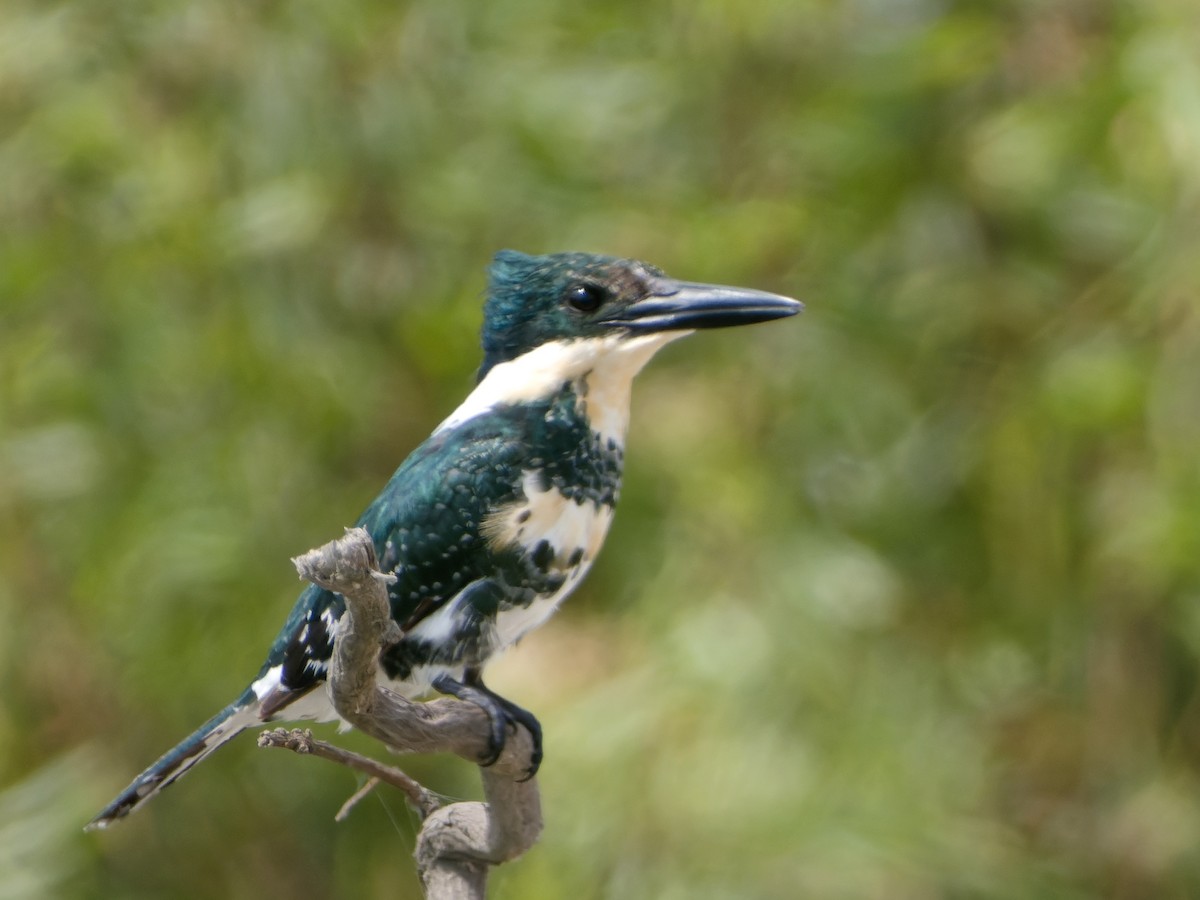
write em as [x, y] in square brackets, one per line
[459, 842]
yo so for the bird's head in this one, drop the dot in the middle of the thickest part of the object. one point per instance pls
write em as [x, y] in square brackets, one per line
[535, 300]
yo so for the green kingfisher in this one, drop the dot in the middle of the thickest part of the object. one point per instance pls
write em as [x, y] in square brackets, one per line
[500, 513]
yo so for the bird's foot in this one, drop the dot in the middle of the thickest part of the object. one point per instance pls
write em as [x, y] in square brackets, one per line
[501, 713]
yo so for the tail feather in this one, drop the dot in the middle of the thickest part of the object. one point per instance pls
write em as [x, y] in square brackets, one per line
[227, 724]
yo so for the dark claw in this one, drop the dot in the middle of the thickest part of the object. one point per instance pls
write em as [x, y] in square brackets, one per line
[518, 715]
[501, 713]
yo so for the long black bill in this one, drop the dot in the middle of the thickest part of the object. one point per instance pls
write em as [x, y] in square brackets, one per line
[678, 305]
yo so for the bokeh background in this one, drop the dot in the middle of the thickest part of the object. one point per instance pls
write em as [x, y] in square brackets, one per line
[904, 596]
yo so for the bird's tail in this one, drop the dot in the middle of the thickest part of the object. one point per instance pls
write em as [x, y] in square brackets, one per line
[228, 723]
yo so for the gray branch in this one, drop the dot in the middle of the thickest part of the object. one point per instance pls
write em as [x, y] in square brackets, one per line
[458, 843]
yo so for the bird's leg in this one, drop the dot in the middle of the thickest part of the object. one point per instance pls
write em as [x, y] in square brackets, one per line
[501, 713]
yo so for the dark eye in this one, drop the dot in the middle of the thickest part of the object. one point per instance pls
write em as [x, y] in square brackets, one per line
[586, 297]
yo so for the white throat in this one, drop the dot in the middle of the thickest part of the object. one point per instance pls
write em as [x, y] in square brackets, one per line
[606, 366]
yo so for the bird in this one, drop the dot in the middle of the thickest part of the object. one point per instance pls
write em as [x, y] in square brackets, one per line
[492, 521]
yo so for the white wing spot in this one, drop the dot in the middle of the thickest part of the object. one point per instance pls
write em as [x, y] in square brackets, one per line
[267, 683]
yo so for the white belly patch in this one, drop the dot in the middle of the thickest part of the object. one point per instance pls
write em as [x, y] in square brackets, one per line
[573, 531]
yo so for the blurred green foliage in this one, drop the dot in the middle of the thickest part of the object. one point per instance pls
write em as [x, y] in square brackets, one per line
[904, 598]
